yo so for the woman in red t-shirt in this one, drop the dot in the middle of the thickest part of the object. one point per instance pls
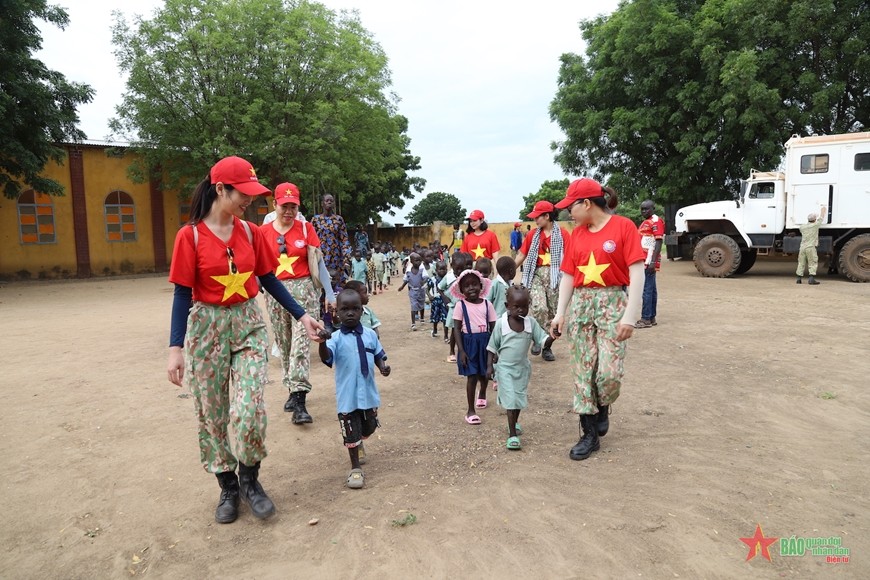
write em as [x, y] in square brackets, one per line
[290, 240]
[216, 262]
[603, 259]
[480, 242]
[541, 275]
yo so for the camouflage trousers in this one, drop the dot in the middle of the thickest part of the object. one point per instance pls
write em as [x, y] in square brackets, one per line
[543, 300]
[225, 370]
[290, 334]
[808, 258]
[596, 355]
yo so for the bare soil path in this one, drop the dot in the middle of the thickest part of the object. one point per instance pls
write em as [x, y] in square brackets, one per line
[748, 404]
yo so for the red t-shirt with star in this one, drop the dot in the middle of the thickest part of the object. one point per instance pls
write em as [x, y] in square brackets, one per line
[481, 246]
[599, 259]
[207, 269]
[293, 264]
[544, 246]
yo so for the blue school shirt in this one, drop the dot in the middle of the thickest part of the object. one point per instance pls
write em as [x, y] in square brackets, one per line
[352, 390]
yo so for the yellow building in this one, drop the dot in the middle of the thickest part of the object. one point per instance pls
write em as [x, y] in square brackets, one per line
[104, 224]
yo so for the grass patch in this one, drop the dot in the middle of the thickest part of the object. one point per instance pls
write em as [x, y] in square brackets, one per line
[408, 520]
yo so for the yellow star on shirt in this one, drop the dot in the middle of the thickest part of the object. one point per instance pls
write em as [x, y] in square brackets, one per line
[592, 271]
[478, 251]
[233, 284]
[285, 264]
[545, 259]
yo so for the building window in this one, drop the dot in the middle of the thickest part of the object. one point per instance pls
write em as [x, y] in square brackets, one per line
[814, 163]
[257, 210]
[183, 214]
[36, 218]
[862, 162]
[120, 217]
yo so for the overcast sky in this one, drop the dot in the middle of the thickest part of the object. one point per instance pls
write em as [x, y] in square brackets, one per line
[475, 79]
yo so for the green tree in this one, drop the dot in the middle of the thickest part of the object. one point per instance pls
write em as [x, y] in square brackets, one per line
[677, 99]
[437, 206]
[37, 105]
[300, 91]
[552, 191]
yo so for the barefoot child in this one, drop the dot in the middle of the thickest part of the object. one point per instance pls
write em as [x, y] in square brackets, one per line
[508, 356]
[437, 308]
[355, 351]
[368, 319]
[473, 319]
[415, 280]
[459, 262]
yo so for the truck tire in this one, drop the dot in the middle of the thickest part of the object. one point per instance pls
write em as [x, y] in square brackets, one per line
[717, 256]
[747, 260]
[854, 261]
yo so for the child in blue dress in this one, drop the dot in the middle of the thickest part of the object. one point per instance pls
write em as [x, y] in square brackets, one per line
[473, 319]
[438, 309]
[459, 262]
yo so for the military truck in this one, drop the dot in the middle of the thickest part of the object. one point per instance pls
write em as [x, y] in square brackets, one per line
[724, 238]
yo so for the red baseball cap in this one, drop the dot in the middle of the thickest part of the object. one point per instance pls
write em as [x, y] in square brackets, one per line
[584, 188]
[286, 193]
[476, 215]
[541, 208]
[517, 224]
[238, 173]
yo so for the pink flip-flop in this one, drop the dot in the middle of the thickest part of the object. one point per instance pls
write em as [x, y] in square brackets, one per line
[473, 420]
[480, 403]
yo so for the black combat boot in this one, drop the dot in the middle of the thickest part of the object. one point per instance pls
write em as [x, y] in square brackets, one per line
[252, 492]
[228, 508]
[603, 422]
[812, 281]
[588, 440]
[297, 405]
[798, 280]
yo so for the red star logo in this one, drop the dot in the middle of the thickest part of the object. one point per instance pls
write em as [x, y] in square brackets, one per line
[758, 542]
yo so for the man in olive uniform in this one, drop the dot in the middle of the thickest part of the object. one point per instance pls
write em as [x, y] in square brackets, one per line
[808, 256]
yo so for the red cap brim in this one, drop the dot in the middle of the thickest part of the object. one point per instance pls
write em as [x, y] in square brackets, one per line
[566, 202]
[252, 188]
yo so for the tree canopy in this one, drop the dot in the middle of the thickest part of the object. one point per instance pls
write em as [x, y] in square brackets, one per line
[552, 191]
[295, 88]
[678, 99]
[437, 206]
[37, 105]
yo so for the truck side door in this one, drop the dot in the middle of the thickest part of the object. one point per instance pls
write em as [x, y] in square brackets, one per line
[762, 208]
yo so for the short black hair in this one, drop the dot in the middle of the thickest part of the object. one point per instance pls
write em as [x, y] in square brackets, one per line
[516, 290]
[355, 285]
[504, 265]
[348, 294]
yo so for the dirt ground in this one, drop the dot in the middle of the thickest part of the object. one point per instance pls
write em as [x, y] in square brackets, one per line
[746, 405]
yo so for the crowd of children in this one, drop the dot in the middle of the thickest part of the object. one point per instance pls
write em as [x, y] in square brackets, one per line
[483, 313]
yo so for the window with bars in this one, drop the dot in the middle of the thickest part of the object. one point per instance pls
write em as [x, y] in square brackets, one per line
[36, 218]
[183, 213]
[120, 217]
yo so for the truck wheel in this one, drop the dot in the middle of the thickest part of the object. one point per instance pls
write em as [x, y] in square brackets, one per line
[747, 260]
[854, 260]
[717, 256]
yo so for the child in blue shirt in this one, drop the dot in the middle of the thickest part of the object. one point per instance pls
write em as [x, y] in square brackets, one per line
[354, 350]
